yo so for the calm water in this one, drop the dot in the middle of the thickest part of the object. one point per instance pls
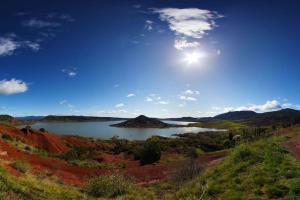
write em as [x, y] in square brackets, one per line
[103, 130]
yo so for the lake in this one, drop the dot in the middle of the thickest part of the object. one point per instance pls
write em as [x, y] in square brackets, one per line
[103, 130]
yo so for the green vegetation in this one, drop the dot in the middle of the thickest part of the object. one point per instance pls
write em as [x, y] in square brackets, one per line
[148, 153]
[21, 166]
[83, 156]
[259, 170]
[220, 124]
[186, 173]
[27, 187]
[108, 186]
[22, 146]
[6, 120]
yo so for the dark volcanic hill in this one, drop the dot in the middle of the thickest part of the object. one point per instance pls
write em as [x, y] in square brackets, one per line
[144, 122]
[237, 115]
[6, 118]
[281, 117]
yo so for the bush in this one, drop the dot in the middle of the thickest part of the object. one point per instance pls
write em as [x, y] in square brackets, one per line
[149, 153]
[21, 166]
[277, 191]
[195, 152]
[187, 172]
[43, 130]
[108, 186]
[6, 137]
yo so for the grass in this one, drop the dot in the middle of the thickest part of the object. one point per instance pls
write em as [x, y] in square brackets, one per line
[171, 158]
[220, 124]
[258, 170]
[27, 187]
[21, 166]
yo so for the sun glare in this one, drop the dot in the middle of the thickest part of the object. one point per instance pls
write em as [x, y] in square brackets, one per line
[193, 58]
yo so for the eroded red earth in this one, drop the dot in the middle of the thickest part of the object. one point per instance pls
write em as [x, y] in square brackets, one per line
[77, 175]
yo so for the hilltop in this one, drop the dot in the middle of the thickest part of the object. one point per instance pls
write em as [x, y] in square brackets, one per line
[237, 115]
[144, 122]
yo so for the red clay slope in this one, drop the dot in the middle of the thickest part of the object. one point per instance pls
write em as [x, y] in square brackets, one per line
[49, 142]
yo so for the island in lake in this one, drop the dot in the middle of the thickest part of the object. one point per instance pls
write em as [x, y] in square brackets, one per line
[145, 122]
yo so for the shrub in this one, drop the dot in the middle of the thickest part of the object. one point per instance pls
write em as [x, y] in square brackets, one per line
[276, 191]
[21, 166]
[6, 137]
[107, 186]
[195, 152]
[187, 172]
[149, 153]
[43, 130]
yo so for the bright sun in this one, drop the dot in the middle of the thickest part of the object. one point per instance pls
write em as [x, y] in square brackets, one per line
[193, 58]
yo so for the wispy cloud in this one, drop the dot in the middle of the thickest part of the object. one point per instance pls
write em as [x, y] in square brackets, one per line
[69, 106]
[181, 44]
[191, 92]
[36, 23]
[13, 86]
[72, 72]
[120, 105]
[192, 23]
[137, 6]
[188, 95]
[163, 102]
[130, 95]
[8, 46]
[148, 99]
[187, 98]
[66, 103]
[149, 25]
[270, 105]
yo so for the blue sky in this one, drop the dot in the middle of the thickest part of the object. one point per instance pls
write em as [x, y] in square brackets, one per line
[158, 58]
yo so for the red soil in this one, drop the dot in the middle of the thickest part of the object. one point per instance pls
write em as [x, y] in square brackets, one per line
[294, 146]
[77, 175]
[49, 142]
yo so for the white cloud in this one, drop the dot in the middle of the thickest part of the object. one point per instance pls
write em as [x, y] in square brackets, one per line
[182, 104]
[148, 99]
[181, 44]
[268, 106]
[187, 98]
[131, 95]
[191, 92]
[8, 46]
[191, 22]
[36, 23]
[70, 72]
[66, 103]
[189, 95]
[13, 86]
[188, 23]
[137, 6]
[163, 102]
[33, 45]
[149, 25]
[119, 105]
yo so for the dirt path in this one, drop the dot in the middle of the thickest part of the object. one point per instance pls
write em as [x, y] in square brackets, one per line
[293, 145]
